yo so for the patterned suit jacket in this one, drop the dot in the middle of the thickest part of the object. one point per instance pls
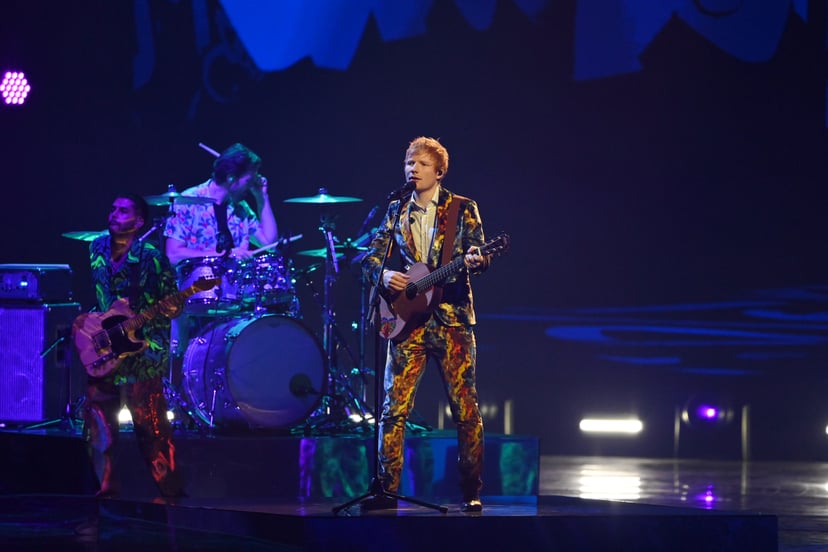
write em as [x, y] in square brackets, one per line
[456, 306]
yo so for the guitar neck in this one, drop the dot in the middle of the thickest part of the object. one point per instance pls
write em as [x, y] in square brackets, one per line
[439, 274]
[134, 323]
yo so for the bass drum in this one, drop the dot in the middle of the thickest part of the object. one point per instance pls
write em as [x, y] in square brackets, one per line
[263, 372]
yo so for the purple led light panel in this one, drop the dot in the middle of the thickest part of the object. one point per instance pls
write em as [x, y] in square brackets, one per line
[14, 87]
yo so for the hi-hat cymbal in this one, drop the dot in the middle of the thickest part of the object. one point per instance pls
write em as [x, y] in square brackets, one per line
[85, 235]
[323, 198]
[324, 251]
[176, 198]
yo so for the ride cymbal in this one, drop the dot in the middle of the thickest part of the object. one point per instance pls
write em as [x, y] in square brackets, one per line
[323, 198]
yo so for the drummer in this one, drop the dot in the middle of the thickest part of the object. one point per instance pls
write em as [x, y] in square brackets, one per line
[228, 225]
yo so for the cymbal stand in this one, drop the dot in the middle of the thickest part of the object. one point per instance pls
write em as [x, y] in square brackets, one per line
[340, 402]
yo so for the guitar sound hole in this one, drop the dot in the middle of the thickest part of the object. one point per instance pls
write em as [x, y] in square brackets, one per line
[411, 291]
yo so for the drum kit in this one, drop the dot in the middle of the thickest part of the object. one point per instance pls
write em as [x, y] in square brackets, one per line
[251, 362]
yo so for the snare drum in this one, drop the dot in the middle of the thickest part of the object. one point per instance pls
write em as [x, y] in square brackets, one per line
[263, 372]
[219, 300]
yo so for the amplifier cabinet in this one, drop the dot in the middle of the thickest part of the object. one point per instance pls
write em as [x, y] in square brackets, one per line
[39, 373]
[36, 283]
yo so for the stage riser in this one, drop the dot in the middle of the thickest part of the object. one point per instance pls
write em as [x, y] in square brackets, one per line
[574, 525]
[292, 467]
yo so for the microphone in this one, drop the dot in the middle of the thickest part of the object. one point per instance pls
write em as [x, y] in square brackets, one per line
[364, 228]
[300, 386]
[406, 189]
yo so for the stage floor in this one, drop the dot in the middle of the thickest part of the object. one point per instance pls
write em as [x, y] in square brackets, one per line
[582, 503]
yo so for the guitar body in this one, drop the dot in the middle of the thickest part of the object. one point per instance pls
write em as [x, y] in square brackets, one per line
[100, 341]
[401, 314]
[103, 339]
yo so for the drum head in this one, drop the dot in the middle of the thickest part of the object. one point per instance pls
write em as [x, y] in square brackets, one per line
[275, 372]
[257, 373]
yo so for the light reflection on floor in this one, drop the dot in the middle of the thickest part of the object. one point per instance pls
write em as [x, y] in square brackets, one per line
[796, 492]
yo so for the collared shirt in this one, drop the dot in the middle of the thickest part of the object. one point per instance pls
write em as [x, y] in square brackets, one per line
[195, 224]
[423, 222]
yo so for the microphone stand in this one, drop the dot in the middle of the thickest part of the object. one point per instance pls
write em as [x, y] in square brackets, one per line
[66, 421]
[375, 489]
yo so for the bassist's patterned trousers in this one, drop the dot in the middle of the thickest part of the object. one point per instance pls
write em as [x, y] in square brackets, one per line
[153, 432]
[454, 349]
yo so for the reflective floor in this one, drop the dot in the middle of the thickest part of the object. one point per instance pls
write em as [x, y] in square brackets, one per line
[795, 492]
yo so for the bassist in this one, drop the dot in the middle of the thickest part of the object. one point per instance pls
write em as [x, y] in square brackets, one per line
[423, 235]
[125, 267]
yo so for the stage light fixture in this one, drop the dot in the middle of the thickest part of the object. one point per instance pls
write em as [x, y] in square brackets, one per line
[14, 88]
[707, 410]
[611, 426]
[125, 418]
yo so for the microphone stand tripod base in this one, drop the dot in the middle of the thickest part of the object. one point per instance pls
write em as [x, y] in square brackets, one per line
[377, 499]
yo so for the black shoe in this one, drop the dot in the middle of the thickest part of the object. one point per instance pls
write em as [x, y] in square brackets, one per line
[471, 505]
[379, 502]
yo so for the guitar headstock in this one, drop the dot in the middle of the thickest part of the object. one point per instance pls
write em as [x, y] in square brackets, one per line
[497, 246]
[203, 284]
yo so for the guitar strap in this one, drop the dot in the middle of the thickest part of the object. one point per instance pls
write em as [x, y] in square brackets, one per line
[451, 228]
[133, 285]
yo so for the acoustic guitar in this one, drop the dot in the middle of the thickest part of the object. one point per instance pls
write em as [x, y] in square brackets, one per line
[401, 312]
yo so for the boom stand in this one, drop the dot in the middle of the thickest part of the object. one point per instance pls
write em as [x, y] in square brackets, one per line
[376, 489]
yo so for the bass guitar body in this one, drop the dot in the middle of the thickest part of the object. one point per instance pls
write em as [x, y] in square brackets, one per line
[100, 340]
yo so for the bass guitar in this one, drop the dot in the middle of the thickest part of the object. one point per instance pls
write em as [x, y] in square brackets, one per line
[102, 340]
[401, 312]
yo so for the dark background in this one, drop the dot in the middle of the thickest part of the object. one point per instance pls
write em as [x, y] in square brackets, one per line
[667, 222]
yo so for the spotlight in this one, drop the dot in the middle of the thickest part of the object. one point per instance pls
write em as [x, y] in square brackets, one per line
[707, 410]
[14, 88]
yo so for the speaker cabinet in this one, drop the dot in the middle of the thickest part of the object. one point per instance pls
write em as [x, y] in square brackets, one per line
[38, 371]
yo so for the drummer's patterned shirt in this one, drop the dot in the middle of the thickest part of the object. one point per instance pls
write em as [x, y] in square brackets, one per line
[196, 225]
[155, 280]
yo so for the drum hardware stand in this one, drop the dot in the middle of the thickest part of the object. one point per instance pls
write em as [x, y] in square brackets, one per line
[69, 416]
[331, 338]
[375, 489]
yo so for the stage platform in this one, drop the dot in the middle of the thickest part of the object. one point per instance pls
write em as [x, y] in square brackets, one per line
[287, 493]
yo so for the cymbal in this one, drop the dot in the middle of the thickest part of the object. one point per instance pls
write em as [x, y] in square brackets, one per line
[176, 198]
[324, 251]
[323, 198]
[85, 235]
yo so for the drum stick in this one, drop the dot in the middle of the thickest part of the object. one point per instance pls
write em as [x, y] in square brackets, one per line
[283, 241]
[209, 149]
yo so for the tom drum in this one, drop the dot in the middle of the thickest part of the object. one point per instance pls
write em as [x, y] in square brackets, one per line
[222, 299]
